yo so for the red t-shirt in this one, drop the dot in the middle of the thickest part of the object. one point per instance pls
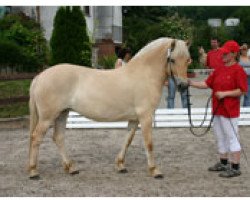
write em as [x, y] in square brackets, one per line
[226, 78]
[214, 59]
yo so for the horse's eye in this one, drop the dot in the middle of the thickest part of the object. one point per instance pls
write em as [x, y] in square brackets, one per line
[171, 60]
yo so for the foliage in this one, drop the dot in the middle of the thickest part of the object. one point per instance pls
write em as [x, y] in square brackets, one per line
[70, 42]
[145, 23]
[243, 13]
[11, 54]
[108, 62]
[25, 37]
[142, 31]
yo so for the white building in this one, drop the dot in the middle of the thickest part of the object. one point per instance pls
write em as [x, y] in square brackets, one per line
[104, 25]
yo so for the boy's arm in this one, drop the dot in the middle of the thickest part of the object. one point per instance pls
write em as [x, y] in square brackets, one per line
[198, 84]
[231, 93]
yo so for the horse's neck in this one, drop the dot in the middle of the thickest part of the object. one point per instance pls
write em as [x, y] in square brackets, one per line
[153, 63]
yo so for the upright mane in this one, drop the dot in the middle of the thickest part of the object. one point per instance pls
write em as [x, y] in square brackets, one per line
[180, 47]
[152, 45]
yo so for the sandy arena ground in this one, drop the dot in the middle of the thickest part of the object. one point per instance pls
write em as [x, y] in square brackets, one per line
[183, 159]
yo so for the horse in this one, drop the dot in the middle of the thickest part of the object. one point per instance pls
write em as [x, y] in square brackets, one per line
[130, 93]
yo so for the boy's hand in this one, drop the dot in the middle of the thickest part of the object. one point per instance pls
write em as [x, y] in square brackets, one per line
[220, 95]
[190, 82]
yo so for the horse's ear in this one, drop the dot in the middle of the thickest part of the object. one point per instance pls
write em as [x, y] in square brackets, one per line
[173, 44]
[188, 43]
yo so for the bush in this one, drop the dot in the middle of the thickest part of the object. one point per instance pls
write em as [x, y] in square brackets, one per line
[11, 54]
[25, 37]
[70, 42]
[108, 62]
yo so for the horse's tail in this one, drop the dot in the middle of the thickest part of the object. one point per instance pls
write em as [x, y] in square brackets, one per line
[33, 108]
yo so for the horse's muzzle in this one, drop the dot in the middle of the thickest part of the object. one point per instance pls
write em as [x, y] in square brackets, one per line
[181, 84]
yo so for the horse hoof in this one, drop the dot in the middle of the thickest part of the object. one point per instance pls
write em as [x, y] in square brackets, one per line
[34, 174]
[36, 177]
[159, 176]
[123, 171]
[74, 172]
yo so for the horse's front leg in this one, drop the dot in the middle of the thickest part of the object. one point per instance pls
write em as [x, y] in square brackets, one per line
[146, 126]
[132, 125]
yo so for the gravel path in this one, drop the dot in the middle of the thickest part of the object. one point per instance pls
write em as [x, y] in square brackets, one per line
[182, 158]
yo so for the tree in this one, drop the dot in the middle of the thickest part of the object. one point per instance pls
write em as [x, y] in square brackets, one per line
[140, 31]
[70, 42]
[24, 36]
[242, 32]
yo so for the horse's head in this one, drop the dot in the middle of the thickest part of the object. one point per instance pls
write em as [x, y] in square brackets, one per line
[178, 59]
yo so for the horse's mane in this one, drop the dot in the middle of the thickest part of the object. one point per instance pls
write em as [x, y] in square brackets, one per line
[180, 48]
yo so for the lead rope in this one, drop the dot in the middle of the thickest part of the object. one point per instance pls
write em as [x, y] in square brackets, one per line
[192, 126]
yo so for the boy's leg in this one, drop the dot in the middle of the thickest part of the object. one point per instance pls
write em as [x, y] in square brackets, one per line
[221, 144]
[230, 126]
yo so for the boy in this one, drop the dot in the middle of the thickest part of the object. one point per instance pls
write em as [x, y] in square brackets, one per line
[228, 83]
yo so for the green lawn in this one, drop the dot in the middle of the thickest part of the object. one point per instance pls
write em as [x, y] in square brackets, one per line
[12, 89]
[14, 110]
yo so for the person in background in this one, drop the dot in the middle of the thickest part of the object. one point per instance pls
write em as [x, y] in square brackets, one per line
[171, 94]
[124, 55]
[228, 83]
[244, 61]
[214, 56]
[202, 56]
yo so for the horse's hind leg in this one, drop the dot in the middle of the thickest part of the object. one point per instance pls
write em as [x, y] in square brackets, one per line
[58, 137]
[35, 141]
[133, 125]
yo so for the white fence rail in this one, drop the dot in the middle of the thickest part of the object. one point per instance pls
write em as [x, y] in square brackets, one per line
[163, 118]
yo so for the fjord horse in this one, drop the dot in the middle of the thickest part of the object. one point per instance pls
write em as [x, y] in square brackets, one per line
[130, 93]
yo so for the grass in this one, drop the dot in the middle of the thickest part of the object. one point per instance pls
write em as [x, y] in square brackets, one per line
[14, 110]
[14, 89]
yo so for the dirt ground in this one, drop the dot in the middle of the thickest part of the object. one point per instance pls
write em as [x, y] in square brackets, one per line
[182, 158]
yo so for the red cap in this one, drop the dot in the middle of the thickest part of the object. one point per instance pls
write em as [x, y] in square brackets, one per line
[230, 46]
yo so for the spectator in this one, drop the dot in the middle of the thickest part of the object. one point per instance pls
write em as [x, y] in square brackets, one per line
[124, 55]
[202, 56]
[244, 61]
[171, 94]
[228, 83]
[214, 56]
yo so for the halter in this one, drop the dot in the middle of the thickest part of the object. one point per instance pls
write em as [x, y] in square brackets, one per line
[171, 61]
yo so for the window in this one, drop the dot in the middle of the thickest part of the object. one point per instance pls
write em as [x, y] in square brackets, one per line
[87, 10]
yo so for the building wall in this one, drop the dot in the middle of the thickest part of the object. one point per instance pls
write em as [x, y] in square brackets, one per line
[47, 14]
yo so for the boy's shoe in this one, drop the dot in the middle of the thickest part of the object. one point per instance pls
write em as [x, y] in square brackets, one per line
[230, 172]
[218, 167]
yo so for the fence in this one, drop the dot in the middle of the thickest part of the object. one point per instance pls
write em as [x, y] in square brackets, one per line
[163, 118]
[12, 99]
